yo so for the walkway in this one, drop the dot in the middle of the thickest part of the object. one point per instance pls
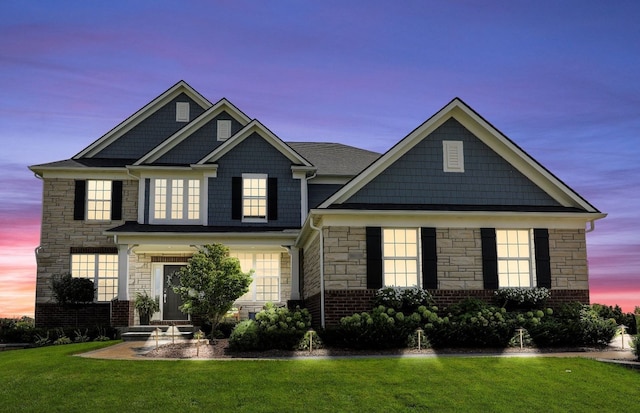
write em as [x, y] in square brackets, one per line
[135, 350]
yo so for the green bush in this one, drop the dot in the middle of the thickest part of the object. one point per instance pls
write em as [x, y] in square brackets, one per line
[274, 328]
[244, 336]
[635, 345]
[406, 300]
[471, 323]
[615, 313]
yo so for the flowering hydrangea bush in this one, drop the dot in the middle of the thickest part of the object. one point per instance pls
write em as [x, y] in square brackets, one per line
[403, 299]
[523, 296]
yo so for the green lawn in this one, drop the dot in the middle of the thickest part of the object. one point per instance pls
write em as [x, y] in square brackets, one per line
[50, 379]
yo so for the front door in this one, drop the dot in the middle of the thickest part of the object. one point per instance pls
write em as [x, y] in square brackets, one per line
[171, 300]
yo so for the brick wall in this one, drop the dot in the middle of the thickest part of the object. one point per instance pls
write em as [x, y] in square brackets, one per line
[122, 313]
[52, 315]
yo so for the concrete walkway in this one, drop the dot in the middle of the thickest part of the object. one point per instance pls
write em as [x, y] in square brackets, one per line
[135, 350]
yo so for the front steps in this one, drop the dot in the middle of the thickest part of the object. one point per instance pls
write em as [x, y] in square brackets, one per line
[144, 333]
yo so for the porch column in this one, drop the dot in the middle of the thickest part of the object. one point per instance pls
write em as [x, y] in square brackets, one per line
[123, 272]
[294, 253]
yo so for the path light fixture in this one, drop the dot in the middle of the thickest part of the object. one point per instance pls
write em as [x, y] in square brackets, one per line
[623, 330]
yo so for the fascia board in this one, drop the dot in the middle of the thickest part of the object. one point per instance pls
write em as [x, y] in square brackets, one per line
[141, 115]
[227, 238]
[265, 133]
[456, 219]
[82, 173]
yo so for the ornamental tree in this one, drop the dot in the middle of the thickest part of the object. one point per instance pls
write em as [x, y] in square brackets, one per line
[210, 283]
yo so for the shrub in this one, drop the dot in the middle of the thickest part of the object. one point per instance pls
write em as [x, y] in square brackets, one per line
[273, 328]
[70, 290]
[615, 313]
[522, 298]
[406, 300]
[245, 336]
[635, 345]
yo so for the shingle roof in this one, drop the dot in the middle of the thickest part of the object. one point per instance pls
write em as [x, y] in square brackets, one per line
[335, 158]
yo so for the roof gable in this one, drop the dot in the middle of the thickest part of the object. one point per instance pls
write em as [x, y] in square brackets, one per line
[180, 88]
[255, 127]
[181, 136]
[556, 191]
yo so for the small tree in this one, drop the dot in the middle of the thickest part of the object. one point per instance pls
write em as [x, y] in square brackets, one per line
[210, 283]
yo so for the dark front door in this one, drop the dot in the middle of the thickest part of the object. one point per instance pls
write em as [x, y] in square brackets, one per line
[172, 301]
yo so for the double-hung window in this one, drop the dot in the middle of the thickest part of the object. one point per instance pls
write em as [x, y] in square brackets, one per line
[254, 197]
[98, 200]
[176, 200]
[515, 263]
[102, 269]
[400, 256]
[265, 286]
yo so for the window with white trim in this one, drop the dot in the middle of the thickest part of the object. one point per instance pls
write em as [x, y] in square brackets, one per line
[176, 200]
[400, 257]
[265, 286]
[98, 200]
[254, 197]
[515, 253]
[102, 269]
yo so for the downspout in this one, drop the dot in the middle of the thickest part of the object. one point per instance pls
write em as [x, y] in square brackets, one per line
[592, 226]
[319, 229]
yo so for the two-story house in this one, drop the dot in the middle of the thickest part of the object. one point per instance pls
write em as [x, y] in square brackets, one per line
[455, 207]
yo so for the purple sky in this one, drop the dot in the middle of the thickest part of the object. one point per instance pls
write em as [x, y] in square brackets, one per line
[561, 79]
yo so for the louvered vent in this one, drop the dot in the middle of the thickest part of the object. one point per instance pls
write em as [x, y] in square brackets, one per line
[453, 156]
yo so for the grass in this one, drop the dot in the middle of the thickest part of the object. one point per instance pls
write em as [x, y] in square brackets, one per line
[50, 379]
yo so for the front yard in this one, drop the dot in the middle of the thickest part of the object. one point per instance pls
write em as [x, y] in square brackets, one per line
[50, 379]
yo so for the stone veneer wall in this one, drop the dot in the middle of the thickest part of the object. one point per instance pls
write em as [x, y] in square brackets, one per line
[459, 270]
[60, 232]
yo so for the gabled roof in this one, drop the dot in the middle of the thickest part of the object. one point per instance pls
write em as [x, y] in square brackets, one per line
[335, 159]
[171, 142]
[141, 115]
[484, 131]
[255, 127]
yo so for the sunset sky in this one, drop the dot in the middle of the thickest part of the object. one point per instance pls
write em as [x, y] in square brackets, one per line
[561, 79]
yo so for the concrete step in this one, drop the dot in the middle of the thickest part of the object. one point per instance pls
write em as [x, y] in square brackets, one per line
[143, 333]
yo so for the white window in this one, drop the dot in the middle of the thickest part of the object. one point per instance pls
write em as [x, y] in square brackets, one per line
[515, 263]
[265, 286]
[400, 257]
[182, 111]
[254, 197]
[176, 199]
[98, 200]
[223, 130]
[102, 269]
[453, 156]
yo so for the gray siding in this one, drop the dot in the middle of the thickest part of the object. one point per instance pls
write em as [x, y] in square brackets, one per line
[418, 177]
[200, 143]
[320, 192]
[150, 132]
[254, 155]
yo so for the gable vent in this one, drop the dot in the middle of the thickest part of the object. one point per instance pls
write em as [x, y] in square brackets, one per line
[453, 156]
[182, 111]
[224, 130]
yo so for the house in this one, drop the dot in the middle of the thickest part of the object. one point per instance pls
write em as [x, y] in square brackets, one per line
[455, 207]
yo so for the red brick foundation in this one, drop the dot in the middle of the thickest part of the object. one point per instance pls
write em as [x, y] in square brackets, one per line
[121, 313]
[52, 315]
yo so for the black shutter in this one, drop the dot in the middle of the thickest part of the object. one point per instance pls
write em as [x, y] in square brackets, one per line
[116, 200]
[79, 200]
[543, 262]
[429, 258]
[374, 257]
[272, 199]
[236, 197]
[489, 258]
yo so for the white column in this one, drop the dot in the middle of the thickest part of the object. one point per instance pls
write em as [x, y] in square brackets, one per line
[123, 272]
